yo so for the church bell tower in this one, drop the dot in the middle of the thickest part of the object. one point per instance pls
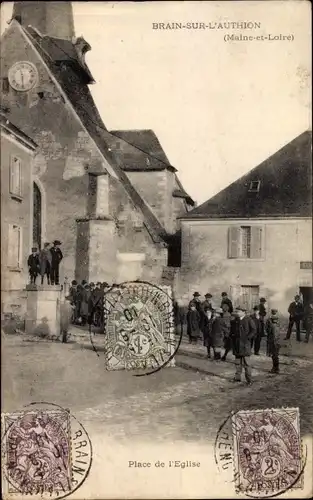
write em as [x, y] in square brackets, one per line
[54, 19]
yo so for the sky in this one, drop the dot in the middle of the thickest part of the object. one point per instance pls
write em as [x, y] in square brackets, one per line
[219, 108]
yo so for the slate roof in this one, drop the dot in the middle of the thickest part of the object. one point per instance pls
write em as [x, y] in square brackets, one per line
[81, 99]
[285, 187]
[61, 50]
[10, 128]
[147, 153]
[180, 192]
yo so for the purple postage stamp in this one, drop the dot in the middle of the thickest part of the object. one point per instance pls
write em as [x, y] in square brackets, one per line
[267, 451]
[39, 454]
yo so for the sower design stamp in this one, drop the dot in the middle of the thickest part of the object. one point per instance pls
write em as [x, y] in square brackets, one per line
[267, 451]
[39, 453]
[139, 327]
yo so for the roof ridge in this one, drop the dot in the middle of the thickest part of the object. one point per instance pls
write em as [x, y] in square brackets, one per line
[134, 130]
[272, 170]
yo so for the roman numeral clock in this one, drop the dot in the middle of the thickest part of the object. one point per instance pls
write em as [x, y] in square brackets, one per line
[23, 76]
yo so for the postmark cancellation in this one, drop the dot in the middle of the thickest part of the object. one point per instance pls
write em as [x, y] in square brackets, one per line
[40, 454]
[267, 451]
[139, 327]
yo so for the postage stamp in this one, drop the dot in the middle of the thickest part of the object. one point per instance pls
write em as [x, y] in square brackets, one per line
[46, 453]
[267, 451]
[139, 327]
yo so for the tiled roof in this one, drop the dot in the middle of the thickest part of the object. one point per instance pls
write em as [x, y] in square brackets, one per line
[80, 97]
[285, 187]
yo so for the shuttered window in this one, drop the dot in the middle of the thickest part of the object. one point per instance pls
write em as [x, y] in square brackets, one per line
[15, 246]
[16, 176]
[245, 242]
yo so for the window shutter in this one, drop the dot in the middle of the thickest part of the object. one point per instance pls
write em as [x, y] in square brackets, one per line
[20, 248]
[19, 177]
[12, 175]
[233, 242]
[256, 242]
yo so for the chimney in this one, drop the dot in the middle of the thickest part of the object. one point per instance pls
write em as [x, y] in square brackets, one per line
[54, 19]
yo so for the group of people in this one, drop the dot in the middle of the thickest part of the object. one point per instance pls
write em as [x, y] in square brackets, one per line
[236, 330]
[45, 262]
[87, 301]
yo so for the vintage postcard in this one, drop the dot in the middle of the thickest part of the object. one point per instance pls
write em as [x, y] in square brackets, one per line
[156, 250]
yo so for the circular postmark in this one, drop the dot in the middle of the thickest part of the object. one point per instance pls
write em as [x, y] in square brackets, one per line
[139, 331]
[259, 452]
[46, 452]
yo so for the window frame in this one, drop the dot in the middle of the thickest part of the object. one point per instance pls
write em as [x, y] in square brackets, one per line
[248, 245]
[235, 253]
[16, 195]
[254, 190]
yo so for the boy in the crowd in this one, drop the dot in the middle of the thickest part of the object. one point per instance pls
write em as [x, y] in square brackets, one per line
[272, 328]
[33, 265]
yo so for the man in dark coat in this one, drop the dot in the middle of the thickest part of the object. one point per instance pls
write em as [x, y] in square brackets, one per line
[309, 321]
[226, 321]
[56, 257]
[207, 303]
[72, 296]
[196, 301]
[256, 340]
[272, 328]
[296, 311]
[217, 332]
[242, 331]
[193, 324]
[33, 265]
[262, 314]
[206, 326]
[45, 258]
[226, 300]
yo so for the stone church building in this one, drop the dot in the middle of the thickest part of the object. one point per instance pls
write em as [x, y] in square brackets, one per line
[111, 197]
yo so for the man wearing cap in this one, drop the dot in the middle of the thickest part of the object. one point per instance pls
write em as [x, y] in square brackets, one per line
[273, 339]
[242, 331]
[207, 303]
[33, 265]
[226, 300]
[296, 311]
[45, 259]
[56, 257]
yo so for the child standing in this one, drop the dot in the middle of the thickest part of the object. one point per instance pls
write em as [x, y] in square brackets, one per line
[193, 323]
[33, 265]
[273, 338]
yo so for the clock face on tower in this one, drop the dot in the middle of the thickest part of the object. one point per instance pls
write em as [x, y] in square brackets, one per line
[23, 76]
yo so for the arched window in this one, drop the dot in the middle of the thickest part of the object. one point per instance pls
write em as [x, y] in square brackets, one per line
[37, 215]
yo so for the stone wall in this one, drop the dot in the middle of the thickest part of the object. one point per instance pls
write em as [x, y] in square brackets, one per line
[156, 188]
[15, 211]
[206, 266]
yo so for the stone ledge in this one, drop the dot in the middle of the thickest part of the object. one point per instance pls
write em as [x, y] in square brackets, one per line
[43, 288]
